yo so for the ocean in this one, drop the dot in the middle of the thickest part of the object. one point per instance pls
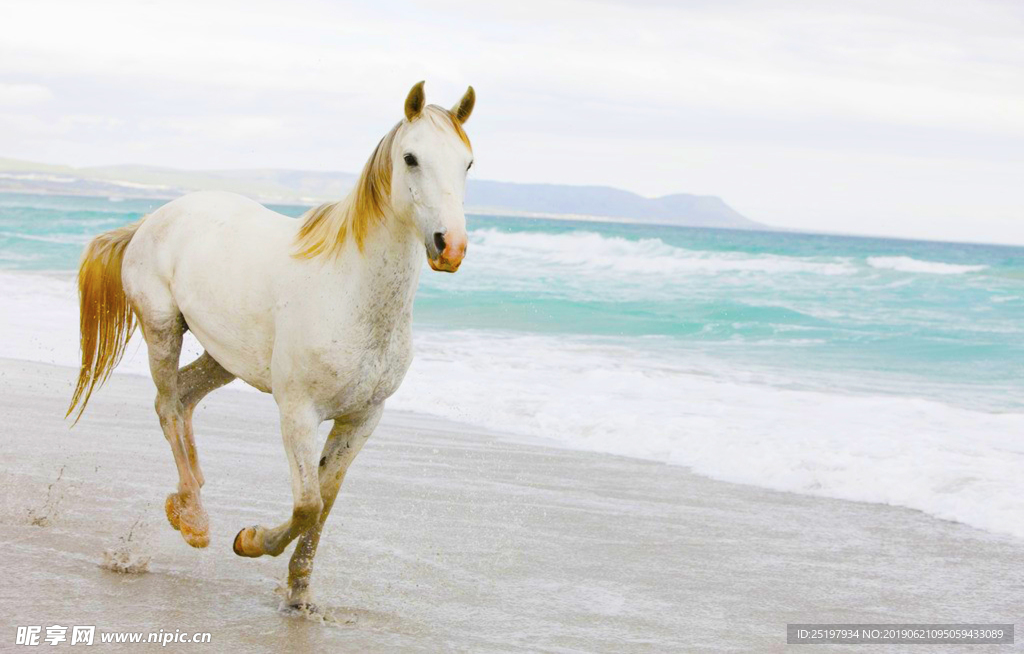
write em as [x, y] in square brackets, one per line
[869, 369]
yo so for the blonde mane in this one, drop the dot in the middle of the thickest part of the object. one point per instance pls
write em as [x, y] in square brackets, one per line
[325, 228]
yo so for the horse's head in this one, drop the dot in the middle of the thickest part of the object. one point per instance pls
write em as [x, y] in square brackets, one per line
[430, 157]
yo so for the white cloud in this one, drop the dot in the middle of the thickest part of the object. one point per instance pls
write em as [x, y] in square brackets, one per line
[217, 128]
[752, 100]
[12, 95]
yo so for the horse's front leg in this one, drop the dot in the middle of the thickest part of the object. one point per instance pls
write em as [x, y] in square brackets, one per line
[347, 437]
[298, 427]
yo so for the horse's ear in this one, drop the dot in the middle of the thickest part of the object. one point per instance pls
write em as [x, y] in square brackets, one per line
[465, 106]
[415, 101]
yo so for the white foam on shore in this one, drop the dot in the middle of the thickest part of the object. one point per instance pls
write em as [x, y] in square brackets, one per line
[953, 463]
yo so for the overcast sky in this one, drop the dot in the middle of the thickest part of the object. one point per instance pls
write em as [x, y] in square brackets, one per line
[897, 118]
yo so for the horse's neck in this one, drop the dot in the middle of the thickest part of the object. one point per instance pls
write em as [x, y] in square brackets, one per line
[390, 264]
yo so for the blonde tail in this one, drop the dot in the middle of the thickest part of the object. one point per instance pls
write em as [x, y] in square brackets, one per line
[106, 318]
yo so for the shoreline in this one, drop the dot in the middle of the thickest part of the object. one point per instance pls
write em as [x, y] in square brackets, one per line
[448, 537]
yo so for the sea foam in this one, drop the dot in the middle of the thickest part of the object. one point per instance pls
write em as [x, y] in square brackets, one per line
[911, 265]
[593, 252]
[951, 462]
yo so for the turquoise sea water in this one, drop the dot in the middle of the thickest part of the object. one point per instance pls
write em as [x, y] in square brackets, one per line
[941, 320]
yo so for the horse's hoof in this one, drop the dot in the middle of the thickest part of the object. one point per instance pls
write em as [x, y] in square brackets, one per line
[197, 539]
[191, 521]
[173, 508]
[247, 543]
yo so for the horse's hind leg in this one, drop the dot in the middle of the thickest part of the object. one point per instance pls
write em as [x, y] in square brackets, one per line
[163, 335]
[195, 381]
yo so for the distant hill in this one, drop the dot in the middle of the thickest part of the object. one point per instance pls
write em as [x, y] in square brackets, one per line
[309, 187]
[604, 202]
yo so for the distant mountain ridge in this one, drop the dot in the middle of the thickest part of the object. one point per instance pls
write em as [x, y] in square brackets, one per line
[311, 187]
[605, 202]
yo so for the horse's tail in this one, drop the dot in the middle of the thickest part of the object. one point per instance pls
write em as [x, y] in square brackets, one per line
[106, 318]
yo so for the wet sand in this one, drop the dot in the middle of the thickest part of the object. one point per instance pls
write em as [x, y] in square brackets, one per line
[448, 539]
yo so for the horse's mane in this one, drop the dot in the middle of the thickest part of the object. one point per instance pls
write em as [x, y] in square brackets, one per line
[325, 228]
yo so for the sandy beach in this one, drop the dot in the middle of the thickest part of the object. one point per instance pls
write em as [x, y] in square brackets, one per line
[448, 539]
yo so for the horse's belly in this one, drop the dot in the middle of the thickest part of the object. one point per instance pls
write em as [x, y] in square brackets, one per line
[233, 322]
[230, 311]
[242, 349]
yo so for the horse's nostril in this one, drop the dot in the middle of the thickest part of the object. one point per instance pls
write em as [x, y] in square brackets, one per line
[439, 242]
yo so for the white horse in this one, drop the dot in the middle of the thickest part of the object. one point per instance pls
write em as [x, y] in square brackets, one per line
[316, 311]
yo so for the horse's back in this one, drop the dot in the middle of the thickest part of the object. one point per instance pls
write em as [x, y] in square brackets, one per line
[217, 259]
[209, 223]
[201, 237]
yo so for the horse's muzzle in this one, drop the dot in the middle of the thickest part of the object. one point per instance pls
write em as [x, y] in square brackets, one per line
[445, 251]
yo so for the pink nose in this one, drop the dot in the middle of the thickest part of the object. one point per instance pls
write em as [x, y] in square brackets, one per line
[451, 248]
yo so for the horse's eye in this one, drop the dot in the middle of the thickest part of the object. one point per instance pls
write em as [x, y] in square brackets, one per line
[410, 160]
